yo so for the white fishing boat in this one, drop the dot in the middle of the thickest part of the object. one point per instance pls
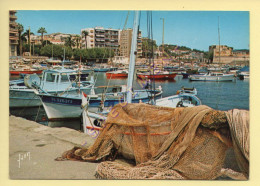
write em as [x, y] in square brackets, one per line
[186, 97]
[52, 81]
[68, 106]
[212, 76]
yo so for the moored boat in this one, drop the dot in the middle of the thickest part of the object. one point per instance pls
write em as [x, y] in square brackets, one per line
[69, 105]
[104, 69]
[186, 97]
[157, 75]
[29, 71]
[212, 76]
[117, 74]
[52, 81]
[23, 69]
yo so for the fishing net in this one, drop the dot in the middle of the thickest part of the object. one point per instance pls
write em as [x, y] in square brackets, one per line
[239, 126]
[166, 143]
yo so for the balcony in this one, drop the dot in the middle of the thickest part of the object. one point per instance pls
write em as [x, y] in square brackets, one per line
[98, 30]
[13, 31]
[13, 37]
[13, 23]
[13, 42]
[97, 35]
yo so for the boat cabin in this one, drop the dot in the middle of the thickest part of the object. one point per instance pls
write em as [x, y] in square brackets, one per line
[56, 79]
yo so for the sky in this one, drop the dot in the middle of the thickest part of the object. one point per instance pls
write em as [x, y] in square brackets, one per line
[194, 29]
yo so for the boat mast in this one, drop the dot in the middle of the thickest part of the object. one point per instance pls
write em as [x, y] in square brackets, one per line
[63, 57]
[218, 42]
[162, 38]
[132, 58]
[52, 51]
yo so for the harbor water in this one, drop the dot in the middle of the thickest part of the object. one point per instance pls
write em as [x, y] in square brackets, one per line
[217, 95]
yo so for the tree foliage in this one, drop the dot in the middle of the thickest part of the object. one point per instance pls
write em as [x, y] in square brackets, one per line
[58, 51]
[20, 30]
[42, 31]
[77, 40]
[148, 46]
[69, 42]
[85, 34]
[93, 53]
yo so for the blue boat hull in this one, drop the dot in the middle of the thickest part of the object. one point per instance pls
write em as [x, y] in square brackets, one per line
[92, 102]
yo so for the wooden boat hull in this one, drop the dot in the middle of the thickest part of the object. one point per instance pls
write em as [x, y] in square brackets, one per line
[14, 72]
[119, 75]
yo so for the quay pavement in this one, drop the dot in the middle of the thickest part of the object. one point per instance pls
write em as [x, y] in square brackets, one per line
[34, 147]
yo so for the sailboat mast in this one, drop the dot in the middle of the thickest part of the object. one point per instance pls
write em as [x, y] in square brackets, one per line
[63, 57]
[218, 42]
[163, 38]
[132, 58]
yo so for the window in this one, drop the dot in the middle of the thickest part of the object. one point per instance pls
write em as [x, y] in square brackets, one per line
[50, 77]
[64, 78]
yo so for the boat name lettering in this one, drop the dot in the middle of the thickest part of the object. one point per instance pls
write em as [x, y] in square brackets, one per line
[60, 100]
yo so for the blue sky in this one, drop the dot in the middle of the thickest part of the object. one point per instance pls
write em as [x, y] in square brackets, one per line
[194, 29]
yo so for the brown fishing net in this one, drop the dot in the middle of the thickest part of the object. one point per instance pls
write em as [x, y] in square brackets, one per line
[166, 143]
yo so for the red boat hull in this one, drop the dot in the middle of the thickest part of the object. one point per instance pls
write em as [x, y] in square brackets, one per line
[112, 75]
[13, 72]
[157, 76]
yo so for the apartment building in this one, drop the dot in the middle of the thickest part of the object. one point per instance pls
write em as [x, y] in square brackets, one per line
[125, 43]
[101, 37]
[90, 38]
[13, 33]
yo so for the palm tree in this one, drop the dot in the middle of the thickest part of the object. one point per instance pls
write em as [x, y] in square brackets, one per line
[42, 31]
[85, 33]
[20, 30]
[77, 40]
[28, 33]
[69, 42]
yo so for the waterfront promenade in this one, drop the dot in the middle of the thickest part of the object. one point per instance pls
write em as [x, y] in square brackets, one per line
[34, 147]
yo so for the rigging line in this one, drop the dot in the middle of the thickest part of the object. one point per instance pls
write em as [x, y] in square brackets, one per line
[149, 47]
[28, 104]
[107, 88]
[99, 70]
[150, 44]
[37, 113]
[152, 56]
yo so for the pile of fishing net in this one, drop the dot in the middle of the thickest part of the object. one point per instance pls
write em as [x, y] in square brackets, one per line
[168, 143]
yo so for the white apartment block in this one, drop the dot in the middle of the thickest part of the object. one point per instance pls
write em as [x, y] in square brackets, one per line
[101, 37]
